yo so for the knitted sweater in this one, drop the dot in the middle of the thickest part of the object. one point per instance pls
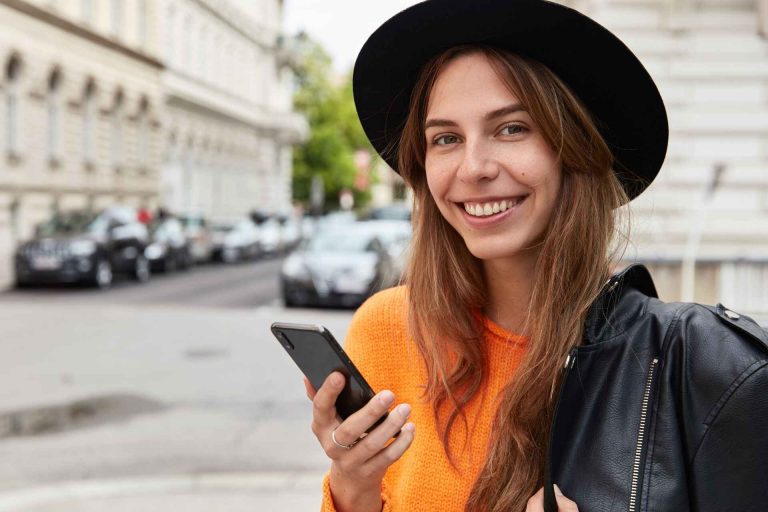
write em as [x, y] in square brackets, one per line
[423, 479]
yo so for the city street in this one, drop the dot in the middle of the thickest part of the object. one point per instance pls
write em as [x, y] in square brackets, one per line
[172, 395]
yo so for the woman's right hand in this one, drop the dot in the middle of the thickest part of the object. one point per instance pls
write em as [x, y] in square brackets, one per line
[357, 472]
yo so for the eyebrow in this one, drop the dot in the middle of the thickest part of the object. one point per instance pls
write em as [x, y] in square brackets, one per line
[494, 114]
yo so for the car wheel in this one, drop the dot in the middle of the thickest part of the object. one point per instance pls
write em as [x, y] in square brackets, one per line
[103, 277]
[141, 271]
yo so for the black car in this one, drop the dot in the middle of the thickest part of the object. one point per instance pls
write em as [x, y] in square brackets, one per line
[85, 247]
[339, 266]
[169, 248]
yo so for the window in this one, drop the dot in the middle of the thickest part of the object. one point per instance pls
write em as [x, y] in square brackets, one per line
[170, 34]
[141, 22]
[116, 12]
[116, 138]
[12, 107]
[86, 10]
[143, 139]
[54, 116]
[89, 121]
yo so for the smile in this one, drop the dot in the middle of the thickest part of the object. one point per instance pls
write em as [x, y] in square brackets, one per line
[490, 208]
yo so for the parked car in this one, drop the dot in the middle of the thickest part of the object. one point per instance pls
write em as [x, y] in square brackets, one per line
[395, 236]
[339, 266]
[235, 241]
[395, 211]
[291, 232]
[169, 249]
[200, 236]
[271, 237]
[85, 247]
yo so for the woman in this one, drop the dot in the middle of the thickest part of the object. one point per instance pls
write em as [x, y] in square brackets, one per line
[521, 128]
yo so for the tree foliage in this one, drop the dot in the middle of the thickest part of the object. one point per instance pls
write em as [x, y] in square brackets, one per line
[335, 131]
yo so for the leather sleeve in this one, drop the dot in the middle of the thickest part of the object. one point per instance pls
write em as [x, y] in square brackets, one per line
[728, 471]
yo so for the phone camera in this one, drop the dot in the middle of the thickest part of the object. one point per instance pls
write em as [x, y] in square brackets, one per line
[287, 344]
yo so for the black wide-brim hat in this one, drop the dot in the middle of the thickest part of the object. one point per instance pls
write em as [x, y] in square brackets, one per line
[603, 73]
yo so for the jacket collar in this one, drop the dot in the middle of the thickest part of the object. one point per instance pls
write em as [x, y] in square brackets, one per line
[619, 302]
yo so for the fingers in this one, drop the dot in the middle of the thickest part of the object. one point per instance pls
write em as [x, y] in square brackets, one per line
[324, 405]
[563, 503]
[311, 391]
[356, 425]
[378, 438]
[536, 502]
[392, 453]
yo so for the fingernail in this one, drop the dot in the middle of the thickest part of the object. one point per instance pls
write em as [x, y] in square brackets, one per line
[337, 380]
[409, 427]
[558, 491]
[404, 409]
[386, 397]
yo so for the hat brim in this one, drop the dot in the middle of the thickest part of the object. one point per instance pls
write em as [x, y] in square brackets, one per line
[603, 73]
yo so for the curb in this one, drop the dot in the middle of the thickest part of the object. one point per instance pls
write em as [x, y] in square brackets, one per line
[45, 419]
[16, 500]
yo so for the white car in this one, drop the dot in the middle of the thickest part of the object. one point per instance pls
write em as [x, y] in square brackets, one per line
[236, 241]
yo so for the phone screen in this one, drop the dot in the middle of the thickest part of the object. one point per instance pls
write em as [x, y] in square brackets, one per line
[316, 352]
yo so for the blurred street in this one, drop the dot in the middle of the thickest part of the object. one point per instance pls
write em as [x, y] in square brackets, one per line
[171, 395]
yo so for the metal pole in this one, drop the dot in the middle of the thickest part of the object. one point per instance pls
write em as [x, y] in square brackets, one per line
[688, 271]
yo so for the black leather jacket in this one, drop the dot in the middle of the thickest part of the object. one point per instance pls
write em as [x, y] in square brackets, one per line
[664, 407]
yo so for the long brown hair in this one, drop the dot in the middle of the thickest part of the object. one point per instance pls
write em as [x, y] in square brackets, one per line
[575, 258]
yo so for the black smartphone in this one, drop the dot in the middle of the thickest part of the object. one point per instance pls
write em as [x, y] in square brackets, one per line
[317, 354]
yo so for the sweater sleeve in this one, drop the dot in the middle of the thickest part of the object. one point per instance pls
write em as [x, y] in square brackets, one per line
[328, 505]
[376, 329]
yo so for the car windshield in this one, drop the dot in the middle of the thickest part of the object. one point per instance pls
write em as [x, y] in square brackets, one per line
[339, 241]
[223, 228]
[71, 223]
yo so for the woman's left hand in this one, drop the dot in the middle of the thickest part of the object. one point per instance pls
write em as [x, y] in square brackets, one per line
[536, 502]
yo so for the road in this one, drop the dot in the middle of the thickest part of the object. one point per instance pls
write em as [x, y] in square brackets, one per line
[165, 396]
[241, 285]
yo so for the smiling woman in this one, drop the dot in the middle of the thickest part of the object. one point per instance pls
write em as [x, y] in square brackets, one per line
[522, 127]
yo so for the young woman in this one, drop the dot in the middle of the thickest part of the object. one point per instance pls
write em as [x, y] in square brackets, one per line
[522, 127]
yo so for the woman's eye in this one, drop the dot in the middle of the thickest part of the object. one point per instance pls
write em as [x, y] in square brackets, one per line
[444, 140]
[512, 129]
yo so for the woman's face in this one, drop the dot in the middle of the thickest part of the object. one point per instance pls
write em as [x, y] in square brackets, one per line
[490, 171]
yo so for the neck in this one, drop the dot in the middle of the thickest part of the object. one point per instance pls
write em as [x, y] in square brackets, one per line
[509, 284]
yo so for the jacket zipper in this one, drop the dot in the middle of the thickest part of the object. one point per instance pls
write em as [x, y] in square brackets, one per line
[641, 438]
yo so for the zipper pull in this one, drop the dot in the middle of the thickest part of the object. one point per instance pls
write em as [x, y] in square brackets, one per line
[571, 359]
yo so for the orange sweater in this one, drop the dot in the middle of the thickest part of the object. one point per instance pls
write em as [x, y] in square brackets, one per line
[423, 479]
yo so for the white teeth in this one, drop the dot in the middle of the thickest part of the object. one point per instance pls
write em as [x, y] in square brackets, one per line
[486, 209]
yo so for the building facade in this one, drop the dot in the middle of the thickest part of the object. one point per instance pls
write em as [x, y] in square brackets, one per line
[80, 110]
[702, 226]
[184, 104]
[228, 100]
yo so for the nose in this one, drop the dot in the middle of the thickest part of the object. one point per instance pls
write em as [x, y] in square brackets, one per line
[477, 163]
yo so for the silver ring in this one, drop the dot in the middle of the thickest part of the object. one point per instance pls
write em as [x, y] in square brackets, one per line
[345, 446]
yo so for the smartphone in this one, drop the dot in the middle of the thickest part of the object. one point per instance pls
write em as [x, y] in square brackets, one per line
[317, 354]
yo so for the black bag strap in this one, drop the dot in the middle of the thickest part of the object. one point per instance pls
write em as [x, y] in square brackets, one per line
[550, 502]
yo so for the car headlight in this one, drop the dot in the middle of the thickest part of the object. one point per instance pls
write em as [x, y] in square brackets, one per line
[294, 268]
[154, 251]
[82, 247]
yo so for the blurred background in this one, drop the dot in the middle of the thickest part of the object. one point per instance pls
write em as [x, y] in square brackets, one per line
[175, 175]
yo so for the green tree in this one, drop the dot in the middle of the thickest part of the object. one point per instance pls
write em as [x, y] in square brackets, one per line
[335, 131]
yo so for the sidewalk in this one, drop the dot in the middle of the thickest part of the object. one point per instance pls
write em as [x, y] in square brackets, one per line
[135, 409]
[201, 493]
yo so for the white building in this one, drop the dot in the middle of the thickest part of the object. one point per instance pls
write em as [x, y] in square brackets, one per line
[710, 60]
[80, 115]
[229, 107]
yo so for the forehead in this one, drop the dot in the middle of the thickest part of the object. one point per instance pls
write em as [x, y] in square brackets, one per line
[468, 84]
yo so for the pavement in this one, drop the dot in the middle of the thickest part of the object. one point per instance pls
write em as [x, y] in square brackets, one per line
[124, 407]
